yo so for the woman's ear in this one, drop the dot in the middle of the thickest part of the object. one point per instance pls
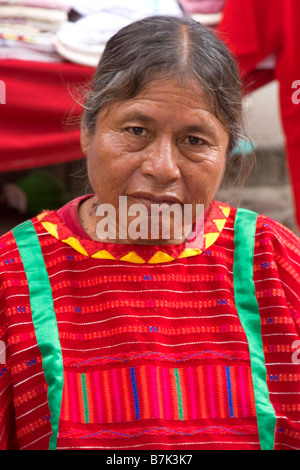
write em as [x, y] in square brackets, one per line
[84, 140]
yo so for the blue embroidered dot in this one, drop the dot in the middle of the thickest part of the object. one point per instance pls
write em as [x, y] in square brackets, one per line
[152, 328]
[31, 362]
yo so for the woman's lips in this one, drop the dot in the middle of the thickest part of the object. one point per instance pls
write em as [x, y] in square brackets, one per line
[149, 199]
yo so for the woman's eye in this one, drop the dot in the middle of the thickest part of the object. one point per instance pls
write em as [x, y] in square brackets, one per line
[194, 140]
[136, 130]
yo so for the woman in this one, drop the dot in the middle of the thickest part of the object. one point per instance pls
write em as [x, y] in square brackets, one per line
[118, 342]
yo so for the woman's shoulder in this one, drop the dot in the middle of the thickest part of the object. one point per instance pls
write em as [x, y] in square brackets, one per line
[7, 244]
[266, 227]
[276, 245]
[270, 236]
[276, 255]
[66, 213]
[277, 233]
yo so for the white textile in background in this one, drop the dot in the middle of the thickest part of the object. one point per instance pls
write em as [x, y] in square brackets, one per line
[42, 42]
[130, 8]
[33, 13]
[64, 5]
[207, 19]
[90, 33]
[14, 51]
[83, 41]
[78, 57]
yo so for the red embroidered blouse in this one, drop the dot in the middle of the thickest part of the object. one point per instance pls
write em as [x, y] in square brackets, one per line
[154, 352]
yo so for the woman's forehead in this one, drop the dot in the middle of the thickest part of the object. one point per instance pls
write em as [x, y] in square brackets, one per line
[161, 95]
[173, 86]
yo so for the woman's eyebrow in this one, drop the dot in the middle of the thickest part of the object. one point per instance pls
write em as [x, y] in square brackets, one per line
[134, 116]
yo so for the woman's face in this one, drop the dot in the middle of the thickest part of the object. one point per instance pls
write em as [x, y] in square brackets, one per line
[163, 145]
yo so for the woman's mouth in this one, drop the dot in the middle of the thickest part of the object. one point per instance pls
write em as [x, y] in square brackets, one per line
[149, 199]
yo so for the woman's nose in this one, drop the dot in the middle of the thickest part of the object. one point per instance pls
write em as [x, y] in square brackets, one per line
[161, 162]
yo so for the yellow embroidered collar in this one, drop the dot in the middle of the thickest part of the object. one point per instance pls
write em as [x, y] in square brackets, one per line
[140, 254]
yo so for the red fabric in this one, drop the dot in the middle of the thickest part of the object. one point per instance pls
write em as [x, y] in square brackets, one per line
[256, 79]
[33, 122]
[254, 29]
[161, 326]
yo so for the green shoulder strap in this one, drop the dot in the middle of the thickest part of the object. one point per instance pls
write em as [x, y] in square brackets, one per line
[247, 307]
[44, 318]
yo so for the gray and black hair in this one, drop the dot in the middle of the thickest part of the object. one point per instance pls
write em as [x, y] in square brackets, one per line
[164, 46]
